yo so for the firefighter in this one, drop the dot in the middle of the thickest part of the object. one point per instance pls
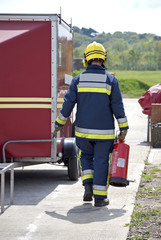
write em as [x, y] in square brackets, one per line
[99, 100]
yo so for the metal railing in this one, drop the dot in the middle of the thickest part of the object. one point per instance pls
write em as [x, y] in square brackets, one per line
[4, 167]
[23, 141]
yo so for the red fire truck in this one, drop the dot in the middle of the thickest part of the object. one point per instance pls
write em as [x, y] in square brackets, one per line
[36, 53]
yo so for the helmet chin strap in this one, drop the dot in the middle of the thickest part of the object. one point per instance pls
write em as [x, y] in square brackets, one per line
[85, 64]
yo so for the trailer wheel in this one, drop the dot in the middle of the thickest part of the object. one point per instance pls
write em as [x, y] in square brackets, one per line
[70, 153]
[73, 168]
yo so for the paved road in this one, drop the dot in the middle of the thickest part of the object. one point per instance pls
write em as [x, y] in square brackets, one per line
[49, 206]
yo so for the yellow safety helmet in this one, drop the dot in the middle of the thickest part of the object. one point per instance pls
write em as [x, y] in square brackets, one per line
[94, 51]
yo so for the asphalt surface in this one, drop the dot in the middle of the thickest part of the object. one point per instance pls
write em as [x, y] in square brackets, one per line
[47, 205]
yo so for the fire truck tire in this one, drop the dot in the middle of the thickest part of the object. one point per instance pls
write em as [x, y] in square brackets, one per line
[73, 169]
[70, 154]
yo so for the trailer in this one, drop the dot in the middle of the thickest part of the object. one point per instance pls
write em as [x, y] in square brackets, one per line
[36, 58]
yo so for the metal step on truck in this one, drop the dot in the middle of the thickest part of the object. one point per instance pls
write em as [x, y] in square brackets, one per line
[36, 58]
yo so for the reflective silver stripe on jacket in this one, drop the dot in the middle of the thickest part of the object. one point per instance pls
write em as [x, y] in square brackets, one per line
[92, 77]
[95, 131]
[61, 117]
[99, 187]
[122, 120]
[88, 171]
[94, 85]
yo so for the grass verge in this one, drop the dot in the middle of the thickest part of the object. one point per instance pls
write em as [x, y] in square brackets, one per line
[146, 217]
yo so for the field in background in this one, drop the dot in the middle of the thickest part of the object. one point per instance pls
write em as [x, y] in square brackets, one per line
[134, 84]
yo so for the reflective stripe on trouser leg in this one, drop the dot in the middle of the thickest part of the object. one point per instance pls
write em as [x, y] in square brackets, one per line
[100, 190]
[87, 175]
[79, 157]
[109, 167]
[86, 160]
[102, 155]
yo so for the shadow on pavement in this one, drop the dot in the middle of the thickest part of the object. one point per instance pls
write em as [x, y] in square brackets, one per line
[32, 186]
[144, 144]
[87, 213]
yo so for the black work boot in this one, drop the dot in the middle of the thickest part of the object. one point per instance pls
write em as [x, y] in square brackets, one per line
[88, 192]
[101, 202]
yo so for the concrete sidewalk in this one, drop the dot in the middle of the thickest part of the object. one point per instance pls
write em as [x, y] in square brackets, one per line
[49, 206]
[155, 156]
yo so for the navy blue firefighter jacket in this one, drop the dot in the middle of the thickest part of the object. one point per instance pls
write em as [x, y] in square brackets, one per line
[98, 98]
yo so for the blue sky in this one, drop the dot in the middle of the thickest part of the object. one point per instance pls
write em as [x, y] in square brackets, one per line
[141, 16]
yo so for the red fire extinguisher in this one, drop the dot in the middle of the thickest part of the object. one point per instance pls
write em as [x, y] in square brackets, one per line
[119, 165]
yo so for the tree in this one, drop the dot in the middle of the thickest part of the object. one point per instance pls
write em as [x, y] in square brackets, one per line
[125, 51]
[158, 54]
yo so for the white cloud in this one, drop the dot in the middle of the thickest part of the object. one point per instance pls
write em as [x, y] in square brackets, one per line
[154, 4]
[141, 16]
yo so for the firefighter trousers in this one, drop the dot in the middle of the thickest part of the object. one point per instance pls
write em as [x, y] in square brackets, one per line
[95, 159]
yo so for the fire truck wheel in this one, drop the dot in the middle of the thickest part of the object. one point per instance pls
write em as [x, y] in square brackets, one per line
[70, 153]
[73, 168]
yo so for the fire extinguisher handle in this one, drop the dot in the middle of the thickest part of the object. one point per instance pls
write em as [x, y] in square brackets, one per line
[116, 137]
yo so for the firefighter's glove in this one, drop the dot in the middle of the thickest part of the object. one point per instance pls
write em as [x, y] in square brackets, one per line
[57, 129]
[122, 135]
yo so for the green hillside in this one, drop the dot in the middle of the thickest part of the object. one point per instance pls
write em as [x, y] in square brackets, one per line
[125, 51]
